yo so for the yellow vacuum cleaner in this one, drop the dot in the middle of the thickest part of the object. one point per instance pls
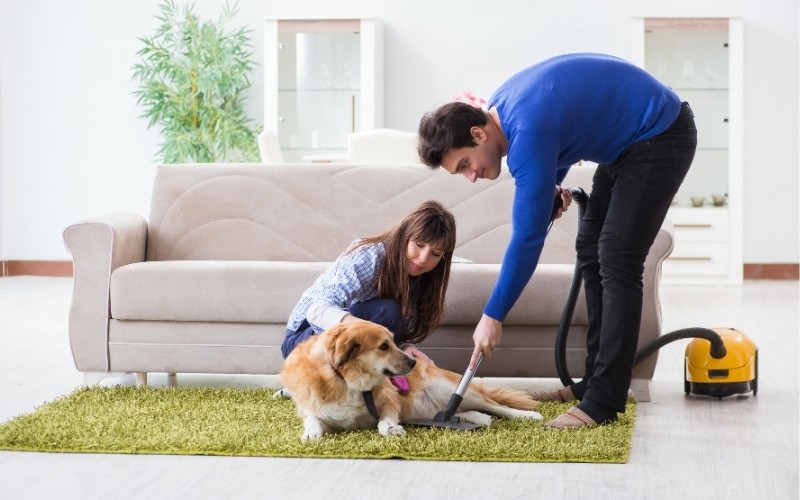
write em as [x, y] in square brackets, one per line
[719, 362]
[734, 373]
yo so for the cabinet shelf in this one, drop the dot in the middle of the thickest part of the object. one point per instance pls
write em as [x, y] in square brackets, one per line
[349, 91]
[699, 209]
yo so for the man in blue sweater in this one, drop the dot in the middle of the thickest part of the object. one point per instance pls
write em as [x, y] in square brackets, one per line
[543, 120]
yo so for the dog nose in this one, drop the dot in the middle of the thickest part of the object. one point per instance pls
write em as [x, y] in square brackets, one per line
[412, 362]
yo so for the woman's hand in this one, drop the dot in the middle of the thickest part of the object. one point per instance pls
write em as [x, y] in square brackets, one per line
[415, 353]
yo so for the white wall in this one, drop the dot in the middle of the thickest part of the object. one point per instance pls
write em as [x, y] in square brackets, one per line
[2, 196]
[72, 144]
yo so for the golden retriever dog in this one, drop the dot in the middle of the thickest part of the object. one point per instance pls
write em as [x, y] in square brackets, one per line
[328, 374]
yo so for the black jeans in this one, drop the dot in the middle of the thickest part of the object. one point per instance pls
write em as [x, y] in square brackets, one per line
[628, 204]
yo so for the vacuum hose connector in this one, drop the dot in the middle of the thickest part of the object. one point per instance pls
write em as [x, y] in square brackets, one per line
[579, 195]
[718, 350]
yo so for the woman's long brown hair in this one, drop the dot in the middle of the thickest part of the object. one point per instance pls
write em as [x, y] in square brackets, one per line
[434, 225]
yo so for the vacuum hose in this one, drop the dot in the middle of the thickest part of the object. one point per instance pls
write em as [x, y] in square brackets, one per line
[580, 196]
[718, 350]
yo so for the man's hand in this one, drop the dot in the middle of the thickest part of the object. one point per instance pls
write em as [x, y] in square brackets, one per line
[488, 334]
[566, 200]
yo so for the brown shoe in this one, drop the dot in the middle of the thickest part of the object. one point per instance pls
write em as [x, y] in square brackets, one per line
[563, 395]
[574, 418]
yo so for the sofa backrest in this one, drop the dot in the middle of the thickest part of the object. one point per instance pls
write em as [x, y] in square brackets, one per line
[311, 212]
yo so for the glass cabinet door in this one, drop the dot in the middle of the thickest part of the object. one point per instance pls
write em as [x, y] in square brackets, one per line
[315, 74]
[692, 57]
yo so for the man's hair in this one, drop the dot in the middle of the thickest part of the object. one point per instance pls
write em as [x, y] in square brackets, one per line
[445, 128]
[424, 309]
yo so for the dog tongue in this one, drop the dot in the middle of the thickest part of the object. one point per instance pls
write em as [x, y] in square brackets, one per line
[401, 383]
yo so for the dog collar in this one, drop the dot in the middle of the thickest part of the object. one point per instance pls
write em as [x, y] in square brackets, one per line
[368, 399]
[370, 402]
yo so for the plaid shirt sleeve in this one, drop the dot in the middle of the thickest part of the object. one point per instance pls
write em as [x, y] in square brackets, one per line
[351, 279]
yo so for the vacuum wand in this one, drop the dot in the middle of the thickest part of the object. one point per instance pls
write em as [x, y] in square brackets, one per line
[445, 418]
[458, 396]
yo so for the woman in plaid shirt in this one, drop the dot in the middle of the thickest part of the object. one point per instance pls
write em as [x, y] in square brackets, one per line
[397, 279]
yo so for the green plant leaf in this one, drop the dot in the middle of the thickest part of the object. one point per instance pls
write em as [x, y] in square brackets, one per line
[192, 74]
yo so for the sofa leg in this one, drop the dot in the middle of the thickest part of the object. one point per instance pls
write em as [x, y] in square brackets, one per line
[641, 390]
[172, 379]
[141, 379]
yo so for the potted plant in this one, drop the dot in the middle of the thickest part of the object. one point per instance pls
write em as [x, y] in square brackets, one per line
[192, 75]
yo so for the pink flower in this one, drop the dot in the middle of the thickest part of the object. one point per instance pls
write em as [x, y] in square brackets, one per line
[468, 97]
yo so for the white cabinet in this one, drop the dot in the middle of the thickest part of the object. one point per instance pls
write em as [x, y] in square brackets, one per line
[701, 59]
[701, 245]
[323, 79]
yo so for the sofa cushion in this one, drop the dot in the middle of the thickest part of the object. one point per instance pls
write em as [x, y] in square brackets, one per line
[266, 292]
[541, 302]
[218, 291]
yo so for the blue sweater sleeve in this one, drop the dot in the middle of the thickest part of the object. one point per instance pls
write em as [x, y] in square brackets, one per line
[535, 179]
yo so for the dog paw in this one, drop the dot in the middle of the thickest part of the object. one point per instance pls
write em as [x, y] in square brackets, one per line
[524, 415]
[532, 415]
[476, 417]
[310, 436]
[283, 392]
[389, 429]
[397, 430]
[312, 429]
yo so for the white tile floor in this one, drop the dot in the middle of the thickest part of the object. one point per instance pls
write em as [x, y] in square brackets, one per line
[683, 447]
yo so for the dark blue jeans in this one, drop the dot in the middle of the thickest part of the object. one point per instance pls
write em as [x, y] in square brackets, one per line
[628, 204]
[384, 312]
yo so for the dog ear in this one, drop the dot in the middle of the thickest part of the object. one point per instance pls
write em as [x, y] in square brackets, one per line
[342, 346]
[346, 351]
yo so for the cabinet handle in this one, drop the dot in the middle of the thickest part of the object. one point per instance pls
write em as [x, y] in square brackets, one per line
[352, 113]
[704, 259]
[694, 226]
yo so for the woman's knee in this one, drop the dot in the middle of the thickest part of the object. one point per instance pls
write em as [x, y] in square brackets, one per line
[293, 339]
[384, 312]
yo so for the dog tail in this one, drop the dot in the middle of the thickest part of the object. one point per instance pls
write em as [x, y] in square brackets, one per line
[513, 398]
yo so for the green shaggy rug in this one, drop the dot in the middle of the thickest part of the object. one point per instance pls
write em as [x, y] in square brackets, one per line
[249, 422]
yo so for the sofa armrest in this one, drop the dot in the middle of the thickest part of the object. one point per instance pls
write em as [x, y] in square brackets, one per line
[650, 328]
[98, 246]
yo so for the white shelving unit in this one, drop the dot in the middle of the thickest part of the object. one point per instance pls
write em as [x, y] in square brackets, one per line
[702, 60]
[323, 79]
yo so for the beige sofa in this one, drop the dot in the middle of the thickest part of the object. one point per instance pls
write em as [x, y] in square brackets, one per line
[206, 284]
